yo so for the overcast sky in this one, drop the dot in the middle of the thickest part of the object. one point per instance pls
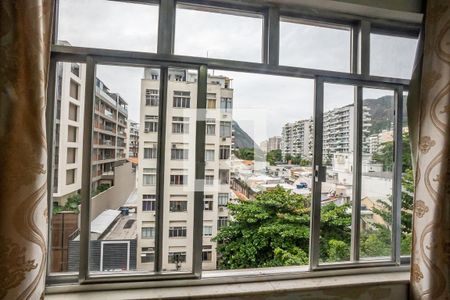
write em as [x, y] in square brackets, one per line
[262, 103]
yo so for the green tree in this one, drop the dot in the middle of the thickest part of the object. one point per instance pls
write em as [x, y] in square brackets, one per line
[245, 153]
[273, 230]
[71, 204]
[385, 154]
[274, 156]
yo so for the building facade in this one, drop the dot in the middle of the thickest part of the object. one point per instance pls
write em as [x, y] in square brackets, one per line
[133, 139]
[297, 139]
[179, 185]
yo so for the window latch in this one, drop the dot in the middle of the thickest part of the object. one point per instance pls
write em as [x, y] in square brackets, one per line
[320, 173]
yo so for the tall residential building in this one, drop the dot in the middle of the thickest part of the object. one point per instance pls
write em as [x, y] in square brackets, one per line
[296, 138]
[274, 143]
[109, 132]
[179, 185]
[133, 139]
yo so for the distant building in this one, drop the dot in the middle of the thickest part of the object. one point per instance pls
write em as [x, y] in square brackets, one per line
[133, 139]
[297, 139]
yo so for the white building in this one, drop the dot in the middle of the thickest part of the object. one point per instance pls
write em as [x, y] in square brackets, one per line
[109, 132]
[133, 139]
[179, 184]
[297, 139]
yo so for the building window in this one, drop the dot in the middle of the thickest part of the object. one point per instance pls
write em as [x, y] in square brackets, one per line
[223, 199]
[177, 257]
[151, 97]
[224, 152]
[74, 91]
[178, 206]
[178, 179]
[148, 202]
[207, 230]
[73, 112]
[71, 155]
[207, 253]
[211, 101]
[75, 69]
[224, 176]
[210, 129]
[147, 254]
[209, 179]
[181, 99]
[209, 155]
[149, 177]
[226, 104]
[148, 232]
[150, 153]
[70, 176]
[177, 231]
[208, 205]
[151, 124]
[222, 222]
[180, 125]
[225, 129]
[179, 154]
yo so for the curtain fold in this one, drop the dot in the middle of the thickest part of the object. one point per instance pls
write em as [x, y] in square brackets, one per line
[429, 119]
[25, 31]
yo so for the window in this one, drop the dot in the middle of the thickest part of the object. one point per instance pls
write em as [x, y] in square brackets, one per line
[179, 154]
[209, 155]
[151, 97]
[147, 254]
[211, 100]
[209, 179]
[178, 179]
[70, 176]
[222, 222]
[223, 199]
[193, 26]
[225, 129]
[177, 257]
[224, 152]
[148, 202]
[73, 112]
[148, 232]
[180, 125]
[177, 231]
[178, 206]
[208, 205]
[149, 177]
[151, 124]
[71, 155]
[150, 153]
[207, 253]
[181, 99]
[224, 176]
[226, 104]
[207, 230]
[74, 90]
[210, 126]
[75, 69]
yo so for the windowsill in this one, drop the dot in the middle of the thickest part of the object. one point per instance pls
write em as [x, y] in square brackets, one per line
[236, 282]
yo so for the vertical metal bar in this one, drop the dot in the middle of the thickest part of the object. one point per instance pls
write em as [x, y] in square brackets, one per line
[265, 38]
[273, 37]
[87, 168]
[50, 128]
[314, 242]
[397, 180]
[199, 171]
[166, 26]
[354, 46]
[55, 21]
[357, 167]
[160, 168]
[363, 29]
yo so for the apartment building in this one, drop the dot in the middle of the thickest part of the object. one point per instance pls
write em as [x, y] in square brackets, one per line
[133, 139]
[179, 185]
[109, 132]
[297, 138]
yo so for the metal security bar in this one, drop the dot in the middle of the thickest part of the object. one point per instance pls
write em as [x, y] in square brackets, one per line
[164, 58]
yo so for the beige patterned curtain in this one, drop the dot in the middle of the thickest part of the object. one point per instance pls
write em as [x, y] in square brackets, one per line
[429, 116]
[24, 58]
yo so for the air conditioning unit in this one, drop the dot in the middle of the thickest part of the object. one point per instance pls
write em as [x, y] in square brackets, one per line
[174, 146]
[146, 130]
[221, 208]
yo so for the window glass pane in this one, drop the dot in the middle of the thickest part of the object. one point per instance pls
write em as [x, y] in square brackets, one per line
[258, 167]
[407, 186]
[108, 24]
[218, 35]
[336, 193]
[314, 46]
[67, 156]
[392, 56]
[377, 174]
